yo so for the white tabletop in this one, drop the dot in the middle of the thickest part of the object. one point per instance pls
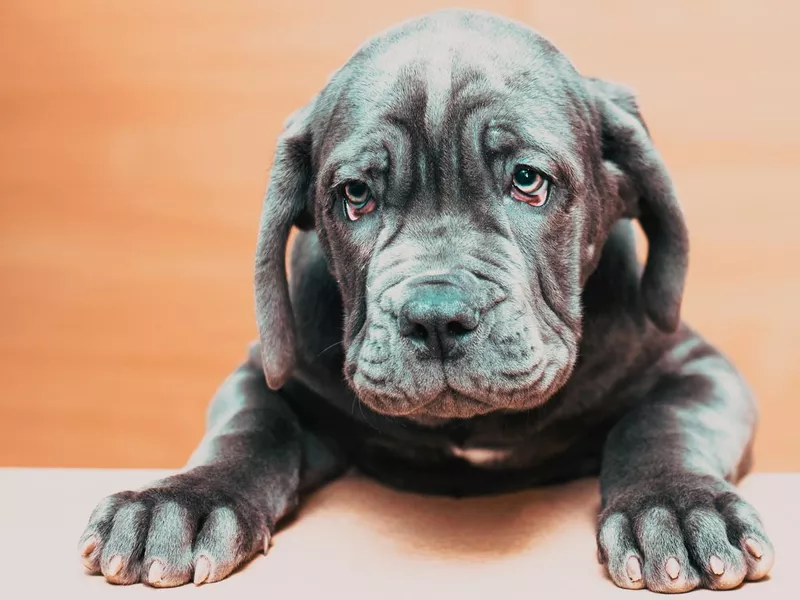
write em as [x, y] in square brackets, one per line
[357, 539]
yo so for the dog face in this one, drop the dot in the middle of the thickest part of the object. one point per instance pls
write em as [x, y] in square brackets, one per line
[462, 177]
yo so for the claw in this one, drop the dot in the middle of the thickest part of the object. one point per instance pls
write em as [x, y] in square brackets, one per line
[634, 569]
[90, 564]
[716, 564]
[88, 546]
[114, 566]
[156, 573]
[673, 568]
[202, 570]
[754, 548]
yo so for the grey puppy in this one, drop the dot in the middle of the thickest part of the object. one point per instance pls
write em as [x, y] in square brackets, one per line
[466, 274]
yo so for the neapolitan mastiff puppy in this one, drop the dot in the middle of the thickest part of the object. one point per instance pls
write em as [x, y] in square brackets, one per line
[466, 315]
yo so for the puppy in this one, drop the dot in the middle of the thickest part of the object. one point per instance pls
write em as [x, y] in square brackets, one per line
[466, 315]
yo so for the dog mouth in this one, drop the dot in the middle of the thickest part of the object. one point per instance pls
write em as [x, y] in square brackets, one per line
[454, 400]
[394, 382]
[447, 404]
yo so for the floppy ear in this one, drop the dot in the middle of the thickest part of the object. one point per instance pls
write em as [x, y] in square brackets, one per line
[647, 191]
[287, 203]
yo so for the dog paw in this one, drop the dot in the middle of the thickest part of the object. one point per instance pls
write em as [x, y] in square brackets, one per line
[189, 527]
[677, 535]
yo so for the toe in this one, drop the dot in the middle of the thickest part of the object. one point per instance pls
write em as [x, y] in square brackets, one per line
[168, 553]
[92, 541]
[723, 565]
[618, 551]
[746, 532]
[221, 546]
[759, 556]
[667, 567]
[122, 552]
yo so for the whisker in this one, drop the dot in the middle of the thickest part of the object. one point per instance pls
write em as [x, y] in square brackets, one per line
[363, 416]
[333, 345]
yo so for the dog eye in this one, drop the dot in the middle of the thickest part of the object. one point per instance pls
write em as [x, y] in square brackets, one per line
[358, 200]
[529, 186]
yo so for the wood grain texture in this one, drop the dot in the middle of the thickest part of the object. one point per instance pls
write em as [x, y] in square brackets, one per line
[135, 140]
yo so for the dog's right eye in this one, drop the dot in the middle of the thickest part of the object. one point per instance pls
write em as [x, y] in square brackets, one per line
[358, 200]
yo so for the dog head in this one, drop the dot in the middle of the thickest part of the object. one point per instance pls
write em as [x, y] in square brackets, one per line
[462, 177]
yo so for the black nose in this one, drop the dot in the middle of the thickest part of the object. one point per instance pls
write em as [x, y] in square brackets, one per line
[438, 317]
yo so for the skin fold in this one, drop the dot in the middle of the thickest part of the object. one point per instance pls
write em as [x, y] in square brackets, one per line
[446, 333]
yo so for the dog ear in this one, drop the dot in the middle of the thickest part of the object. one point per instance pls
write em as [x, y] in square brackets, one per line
[287, 203]
[648, 194]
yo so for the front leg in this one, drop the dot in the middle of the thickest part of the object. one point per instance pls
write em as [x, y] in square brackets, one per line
[206, 521]
[671, 518]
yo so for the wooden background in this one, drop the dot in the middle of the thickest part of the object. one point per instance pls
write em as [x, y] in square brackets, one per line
[135, 139]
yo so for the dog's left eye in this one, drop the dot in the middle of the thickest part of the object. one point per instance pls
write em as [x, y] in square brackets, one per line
[529, 186]
[358, 200]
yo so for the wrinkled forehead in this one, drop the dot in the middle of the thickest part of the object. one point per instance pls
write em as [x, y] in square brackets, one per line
[431, 78]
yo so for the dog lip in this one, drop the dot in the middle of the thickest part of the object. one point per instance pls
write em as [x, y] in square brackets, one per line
[527, 378]
[461, 406]
[420, 407]
[517, 373]
[371, 379]
[458, 397]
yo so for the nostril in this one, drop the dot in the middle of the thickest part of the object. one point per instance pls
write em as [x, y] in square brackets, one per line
[418, 333]
[457, 329]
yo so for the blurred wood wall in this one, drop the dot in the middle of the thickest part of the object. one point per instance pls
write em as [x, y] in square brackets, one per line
[135, 139]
